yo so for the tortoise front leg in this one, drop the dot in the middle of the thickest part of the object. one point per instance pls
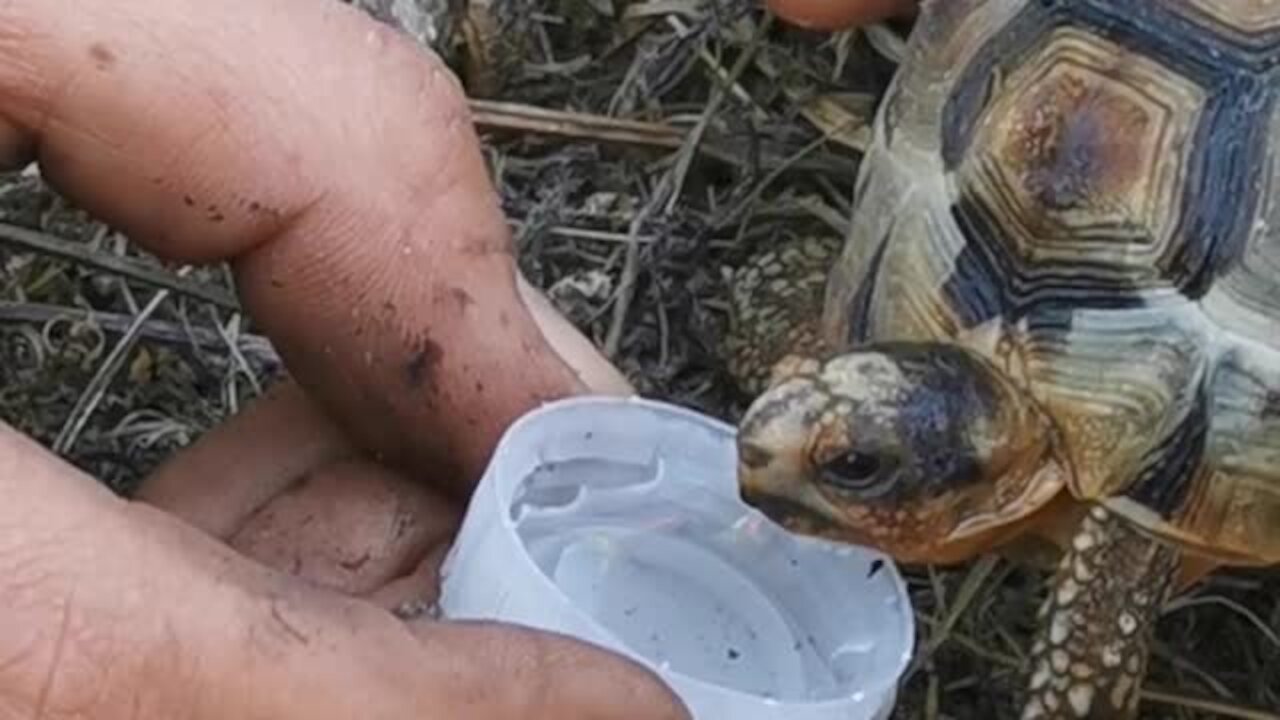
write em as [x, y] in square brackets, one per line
[1095, 628]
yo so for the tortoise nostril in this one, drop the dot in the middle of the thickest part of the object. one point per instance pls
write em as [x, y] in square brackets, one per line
[753, 456]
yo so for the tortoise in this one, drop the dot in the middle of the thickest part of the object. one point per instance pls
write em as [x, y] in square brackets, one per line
[1055, 314]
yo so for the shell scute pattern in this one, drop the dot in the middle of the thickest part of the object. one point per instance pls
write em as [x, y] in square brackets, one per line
[793, 276]
[1096, 180]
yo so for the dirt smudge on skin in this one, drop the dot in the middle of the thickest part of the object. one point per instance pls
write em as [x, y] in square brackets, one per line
[303, 482]
[102, 57]
[355, 564]
[423, 362]
[461, 297]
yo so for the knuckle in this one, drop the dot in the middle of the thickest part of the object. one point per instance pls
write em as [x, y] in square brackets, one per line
[429, 98]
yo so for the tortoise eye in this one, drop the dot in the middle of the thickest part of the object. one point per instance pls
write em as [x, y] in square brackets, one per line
[853, 470]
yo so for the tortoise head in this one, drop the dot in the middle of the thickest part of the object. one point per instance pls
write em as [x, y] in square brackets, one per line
[924, 451]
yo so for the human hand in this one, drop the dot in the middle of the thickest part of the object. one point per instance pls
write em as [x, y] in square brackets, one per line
[838, 14]
[333, 165]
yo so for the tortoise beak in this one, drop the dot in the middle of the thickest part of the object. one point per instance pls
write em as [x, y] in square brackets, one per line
[777, 487]
[759, 479]
[791, 515]
[764, 474]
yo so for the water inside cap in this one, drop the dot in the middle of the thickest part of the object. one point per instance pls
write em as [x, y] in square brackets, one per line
[619, 521]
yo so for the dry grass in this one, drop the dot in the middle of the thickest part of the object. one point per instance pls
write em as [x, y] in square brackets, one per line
[638, 158]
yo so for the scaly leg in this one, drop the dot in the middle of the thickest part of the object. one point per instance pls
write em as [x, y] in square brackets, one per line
[1095, 628]
[775, 303]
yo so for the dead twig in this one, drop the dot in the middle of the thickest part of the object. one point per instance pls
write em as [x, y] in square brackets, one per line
[719, 93]
[255, 346]
[669, 190]
[1249, 616]
[492, 114]
[66, 250]
[571, 125]
[1216, 708]
[969, 589]
[93, 393]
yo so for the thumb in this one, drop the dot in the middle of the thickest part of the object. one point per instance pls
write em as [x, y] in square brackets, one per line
[121, 607]
[515, 672]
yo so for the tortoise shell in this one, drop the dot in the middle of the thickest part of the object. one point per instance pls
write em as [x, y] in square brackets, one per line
[1056, 312]
[1085, 193]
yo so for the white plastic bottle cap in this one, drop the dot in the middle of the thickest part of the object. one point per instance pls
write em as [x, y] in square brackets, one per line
[618, 521]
